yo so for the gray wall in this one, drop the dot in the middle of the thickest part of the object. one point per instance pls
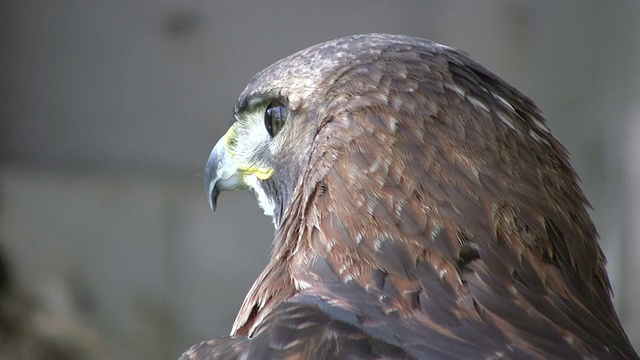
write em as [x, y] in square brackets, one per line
[109, 109]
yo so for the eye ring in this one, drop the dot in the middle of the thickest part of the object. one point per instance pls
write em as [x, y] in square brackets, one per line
[275, 116]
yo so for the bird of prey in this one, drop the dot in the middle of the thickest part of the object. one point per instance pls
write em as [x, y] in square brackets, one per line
[422, 210]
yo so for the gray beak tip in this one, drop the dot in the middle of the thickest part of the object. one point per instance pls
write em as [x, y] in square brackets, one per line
[210, 179]
[213, 197]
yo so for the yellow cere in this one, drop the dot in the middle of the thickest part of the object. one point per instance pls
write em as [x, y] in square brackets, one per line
[260, 173]
[229, 137]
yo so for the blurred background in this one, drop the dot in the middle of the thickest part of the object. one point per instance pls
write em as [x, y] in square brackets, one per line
[109, 109]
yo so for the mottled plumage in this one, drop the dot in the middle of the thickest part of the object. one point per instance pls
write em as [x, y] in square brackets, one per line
[423, 210]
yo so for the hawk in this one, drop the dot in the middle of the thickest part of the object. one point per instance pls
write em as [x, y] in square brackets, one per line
[422, 210]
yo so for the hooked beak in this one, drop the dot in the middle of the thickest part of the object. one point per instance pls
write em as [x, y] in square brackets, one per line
[221, 172]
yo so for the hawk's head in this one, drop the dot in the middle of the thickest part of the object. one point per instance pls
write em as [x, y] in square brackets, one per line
[280, 114]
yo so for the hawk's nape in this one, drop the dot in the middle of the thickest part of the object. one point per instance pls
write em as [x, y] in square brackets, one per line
[422, 211]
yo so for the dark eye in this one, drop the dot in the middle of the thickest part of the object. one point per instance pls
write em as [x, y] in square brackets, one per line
[274, 117]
